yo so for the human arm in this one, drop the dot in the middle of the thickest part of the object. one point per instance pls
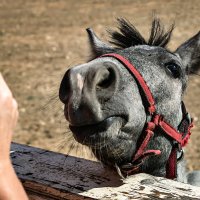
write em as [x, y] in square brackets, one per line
[10, 186]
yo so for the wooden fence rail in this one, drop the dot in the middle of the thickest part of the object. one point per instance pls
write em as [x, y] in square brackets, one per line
[48, 175]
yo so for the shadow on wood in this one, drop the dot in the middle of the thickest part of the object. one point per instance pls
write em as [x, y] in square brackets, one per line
[50, 175]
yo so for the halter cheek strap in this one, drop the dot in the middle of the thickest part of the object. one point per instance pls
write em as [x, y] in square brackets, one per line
[180, 137]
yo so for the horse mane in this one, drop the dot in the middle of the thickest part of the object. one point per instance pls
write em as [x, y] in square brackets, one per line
[127, 35]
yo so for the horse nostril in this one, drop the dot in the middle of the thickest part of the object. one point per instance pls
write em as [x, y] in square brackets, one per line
[107, 79]
[65, 87]
[106, 83]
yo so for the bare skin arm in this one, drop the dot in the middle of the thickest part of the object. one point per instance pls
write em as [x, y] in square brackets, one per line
[10, 186]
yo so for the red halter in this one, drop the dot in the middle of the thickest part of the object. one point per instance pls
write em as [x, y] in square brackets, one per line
[180, 137]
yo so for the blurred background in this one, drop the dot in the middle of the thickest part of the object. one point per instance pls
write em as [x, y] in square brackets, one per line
[40, 39]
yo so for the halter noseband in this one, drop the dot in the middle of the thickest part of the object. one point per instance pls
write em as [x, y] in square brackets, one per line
[154, 120]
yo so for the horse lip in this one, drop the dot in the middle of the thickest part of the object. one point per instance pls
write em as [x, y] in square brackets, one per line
[84, 132]
[106, 122]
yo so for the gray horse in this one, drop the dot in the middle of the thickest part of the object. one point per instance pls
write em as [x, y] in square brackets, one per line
[127, 105]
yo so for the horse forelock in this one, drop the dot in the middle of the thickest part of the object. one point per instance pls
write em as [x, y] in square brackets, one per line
[128, 35]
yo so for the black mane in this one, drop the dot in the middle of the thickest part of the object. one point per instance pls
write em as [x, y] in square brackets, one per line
[128, 35]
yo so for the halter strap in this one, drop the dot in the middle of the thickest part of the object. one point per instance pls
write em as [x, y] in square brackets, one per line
[156, 121]
[139, 79]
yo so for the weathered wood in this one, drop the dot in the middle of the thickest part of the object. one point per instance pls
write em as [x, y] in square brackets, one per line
[49, 175]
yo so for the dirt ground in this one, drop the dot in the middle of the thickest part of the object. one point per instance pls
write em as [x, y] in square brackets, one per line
[40, 39]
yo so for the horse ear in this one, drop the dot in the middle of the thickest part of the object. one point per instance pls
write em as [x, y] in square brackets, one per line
[189, 52]
[97, 47]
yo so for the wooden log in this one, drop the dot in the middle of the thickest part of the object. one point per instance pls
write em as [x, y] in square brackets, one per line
[49, 175]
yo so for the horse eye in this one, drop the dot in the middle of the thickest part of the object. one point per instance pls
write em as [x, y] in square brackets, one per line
[174, 69]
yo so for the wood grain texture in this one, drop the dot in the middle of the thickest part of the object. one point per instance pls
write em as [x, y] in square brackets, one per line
[49, 175]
